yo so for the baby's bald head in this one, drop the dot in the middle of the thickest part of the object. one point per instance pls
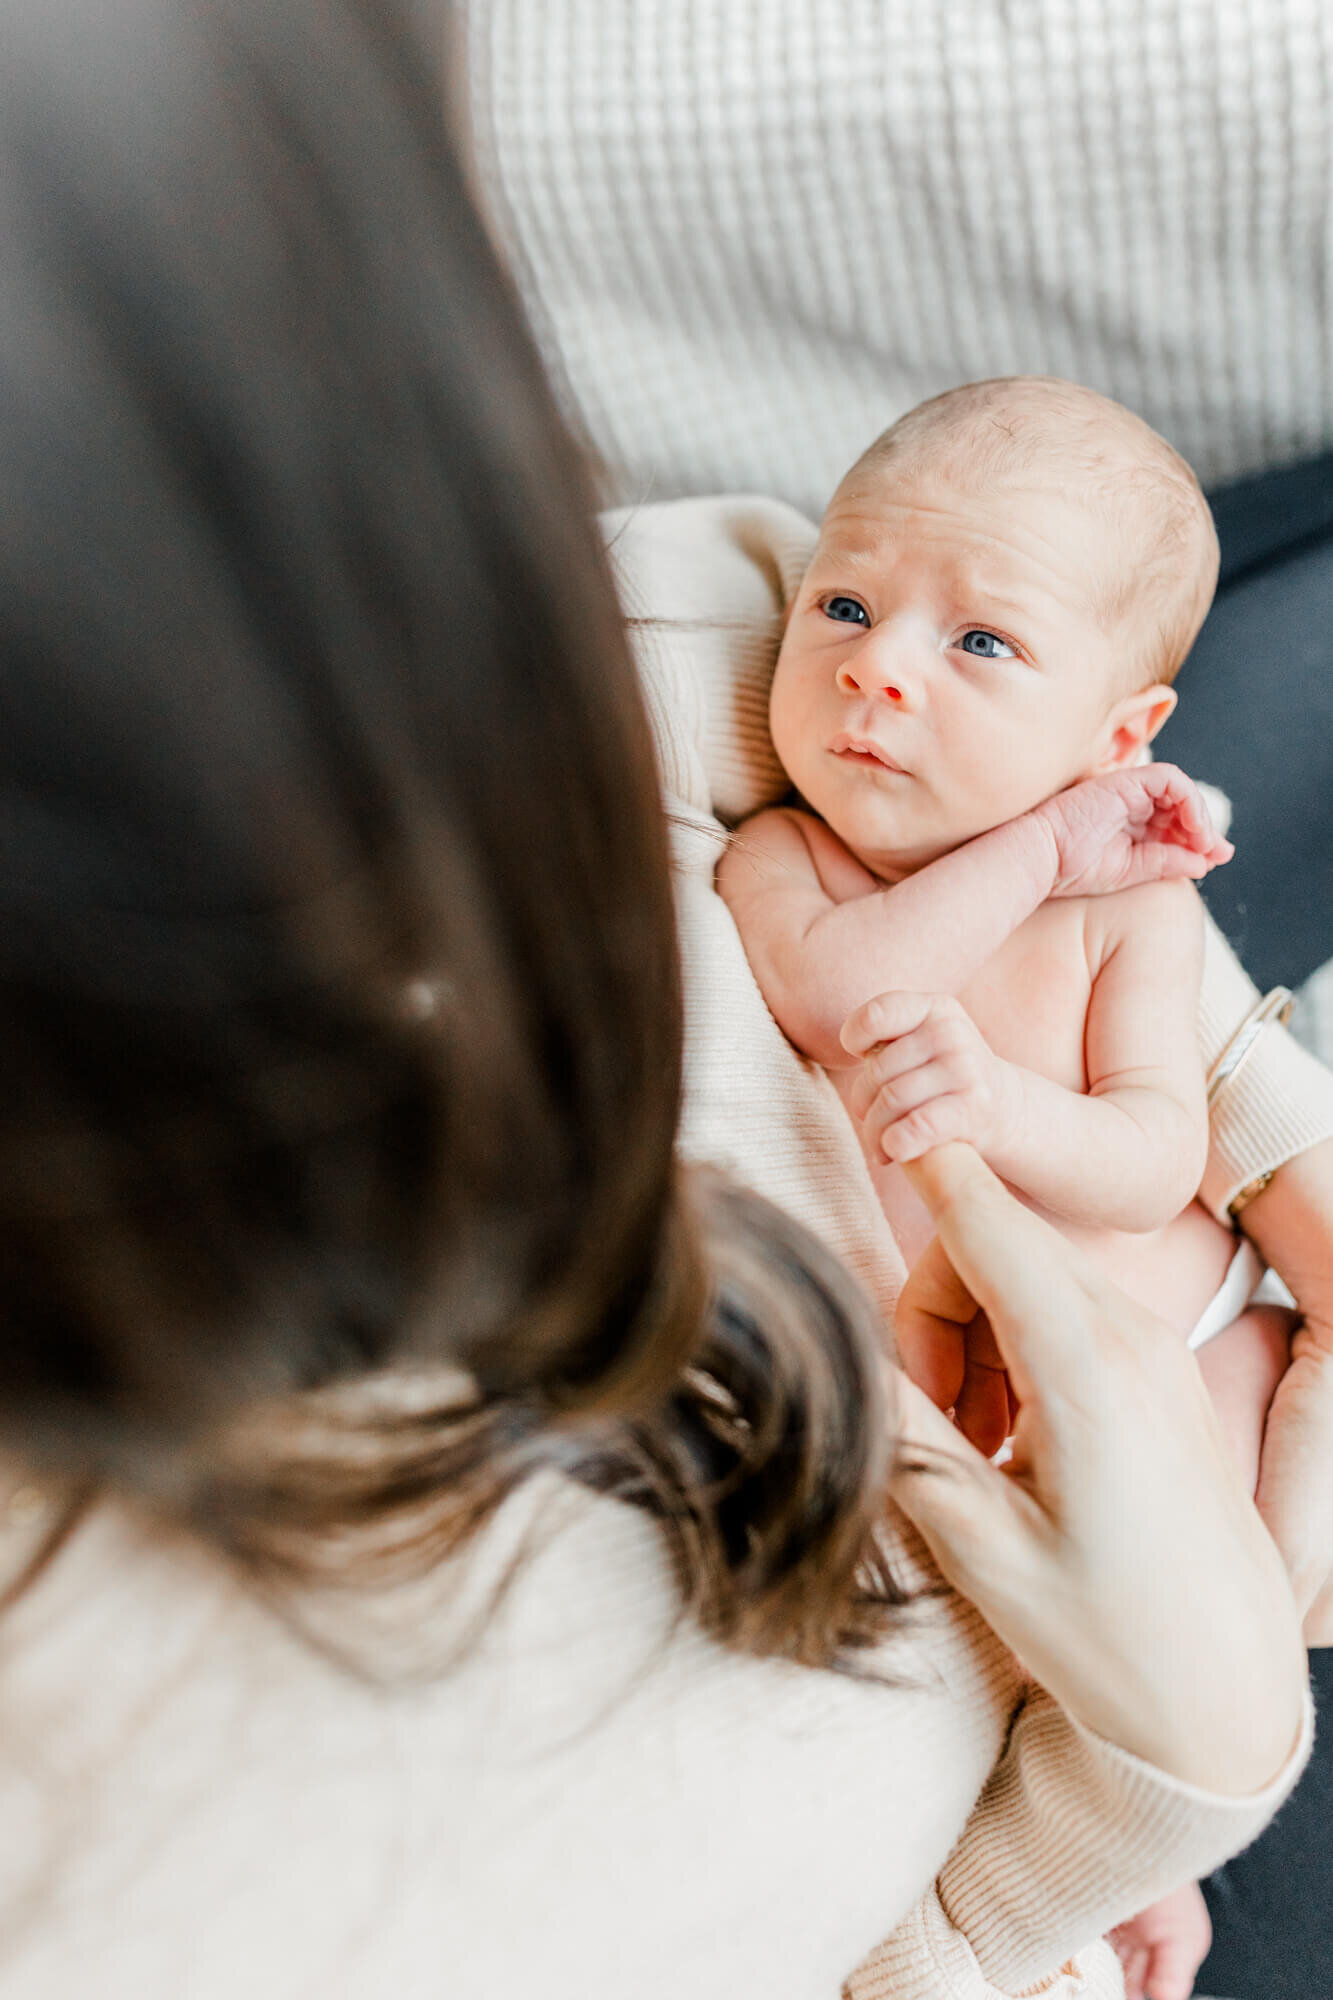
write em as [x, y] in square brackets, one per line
[1037, 433]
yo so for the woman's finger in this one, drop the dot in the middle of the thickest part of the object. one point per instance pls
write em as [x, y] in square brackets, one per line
[1170, 1971]
[1135, 1962]
[1116, 1453]
[976, 1523]
[1011, 1264]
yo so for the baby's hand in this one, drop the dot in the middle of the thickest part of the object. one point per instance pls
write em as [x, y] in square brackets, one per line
[1163, 1947]
[929, 1076]
[1129, 827]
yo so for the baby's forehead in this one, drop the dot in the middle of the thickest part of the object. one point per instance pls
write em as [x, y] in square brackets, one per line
[1022, 536]
[1079, 494]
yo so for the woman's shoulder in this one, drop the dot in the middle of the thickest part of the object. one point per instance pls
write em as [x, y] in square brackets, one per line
[566, 1744]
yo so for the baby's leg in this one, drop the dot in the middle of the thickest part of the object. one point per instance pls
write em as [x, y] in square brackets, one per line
[1241, 1367]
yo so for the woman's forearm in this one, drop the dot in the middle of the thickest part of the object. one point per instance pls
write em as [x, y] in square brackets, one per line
[1276, 1107]
[1291, 1224]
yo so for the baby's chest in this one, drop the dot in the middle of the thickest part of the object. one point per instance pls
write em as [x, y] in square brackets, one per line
[1030, 999]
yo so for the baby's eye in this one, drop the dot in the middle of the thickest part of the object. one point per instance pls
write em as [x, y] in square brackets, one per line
[845, 611]
[986, 646]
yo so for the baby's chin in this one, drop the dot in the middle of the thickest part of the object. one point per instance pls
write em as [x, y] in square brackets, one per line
[885, 834]
[892, 854]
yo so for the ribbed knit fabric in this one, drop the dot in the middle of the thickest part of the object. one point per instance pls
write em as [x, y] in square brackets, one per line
[1262, 1116]
[752, 232]
[594, 1802]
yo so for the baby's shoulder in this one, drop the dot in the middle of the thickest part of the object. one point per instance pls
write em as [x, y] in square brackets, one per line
[1162, 917]
[785, 847]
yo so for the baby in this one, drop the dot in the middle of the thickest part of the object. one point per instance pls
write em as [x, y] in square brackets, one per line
[980, 651]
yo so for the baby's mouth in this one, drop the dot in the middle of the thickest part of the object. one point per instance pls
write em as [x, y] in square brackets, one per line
[862, 750]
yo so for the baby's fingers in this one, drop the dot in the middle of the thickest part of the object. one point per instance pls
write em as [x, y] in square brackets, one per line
[1180, 815]
[1163, 861]
[939, 1121]
[891, 1068]
[884, 1019]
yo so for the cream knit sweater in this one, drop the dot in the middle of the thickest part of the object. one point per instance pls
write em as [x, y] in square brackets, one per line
[594, 1802]
[752, 232]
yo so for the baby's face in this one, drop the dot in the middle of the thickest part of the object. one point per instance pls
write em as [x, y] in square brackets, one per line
[943, 667]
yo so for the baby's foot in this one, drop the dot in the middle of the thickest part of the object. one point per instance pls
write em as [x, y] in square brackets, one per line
[1163, 1947]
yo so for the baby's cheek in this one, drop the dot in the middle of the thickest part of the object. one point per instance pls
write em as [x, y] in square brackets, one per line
[792, 726]
[782, 714]
[999, 774]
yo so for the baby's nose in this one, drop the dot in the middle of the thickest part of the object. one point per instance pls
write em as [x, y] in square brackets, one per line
[878, 667]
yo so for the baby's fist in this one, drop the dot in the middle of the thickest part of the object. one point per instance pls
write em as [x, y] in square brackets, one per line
[1162, 1948]
[928, 1076]
[1124, 828]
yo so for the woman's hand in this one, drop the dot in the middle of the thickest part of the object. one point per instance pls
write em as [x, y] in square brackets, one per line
[1292, 1224]
[1117, 1553]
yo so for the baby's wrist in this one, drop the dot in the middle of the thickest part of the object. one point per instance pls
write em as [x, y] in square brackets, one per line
[1032, 846]
[1009, 1121]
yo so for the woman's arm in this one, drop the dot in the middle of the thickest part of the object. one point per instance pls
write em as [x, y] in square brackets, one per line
[1119, 1558]
[1291, 1221]
[1117, 1553]
[1017, 1902]
[1274, 1115]
[1278, 1104]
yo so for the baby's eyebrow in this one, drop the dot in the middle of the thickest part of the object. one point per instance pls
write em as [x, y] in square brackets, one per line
[970, 582]
[996, 599]
[858, 556]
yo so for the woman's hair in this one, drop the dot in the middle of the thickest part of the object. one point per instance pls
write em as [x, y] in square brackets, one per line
[340, 1019]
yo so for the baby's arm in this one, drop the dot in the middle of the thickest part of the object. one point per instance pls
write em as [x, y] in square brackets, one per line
[1129, 1154]
[822, 934]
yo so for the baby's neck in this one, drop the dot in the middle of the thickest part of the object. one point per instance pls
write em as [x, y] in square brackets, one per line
[891, 868]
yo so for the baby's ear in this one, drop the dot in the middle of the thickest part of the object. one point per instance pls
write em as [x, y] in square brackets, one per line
[1131, 726]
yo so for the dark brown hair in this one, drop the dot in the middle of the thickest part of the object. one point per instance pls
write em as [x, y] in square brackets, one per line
[339, 1008]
